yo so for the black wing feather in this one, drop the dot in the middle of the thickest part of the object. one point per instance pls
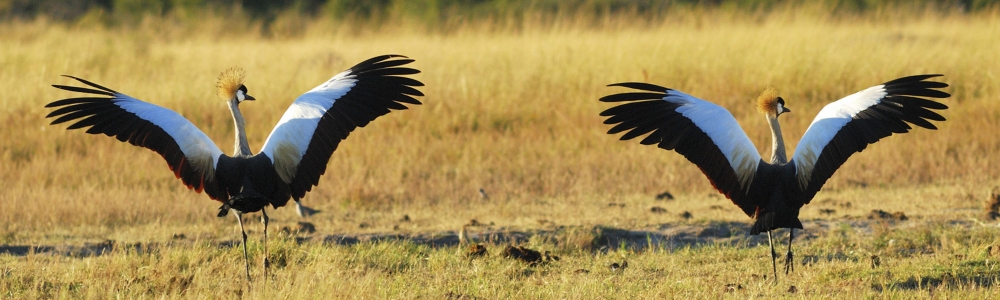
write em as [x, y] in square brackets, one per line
[894, 113]
[103, 115]
[379, 89]
[645, 112]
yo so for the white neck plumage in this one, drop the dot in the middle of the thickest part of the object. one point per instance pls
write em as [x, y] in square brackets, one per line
[777, 142]
[242, 147]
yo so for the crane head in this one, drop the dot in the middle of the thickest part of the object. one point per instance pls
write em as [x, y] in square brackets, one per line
[770, 103]
[230, 85]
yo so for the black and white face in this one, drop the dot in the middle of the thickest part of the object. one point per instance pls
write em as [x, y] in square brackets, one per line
[241, 94]
[781, 107]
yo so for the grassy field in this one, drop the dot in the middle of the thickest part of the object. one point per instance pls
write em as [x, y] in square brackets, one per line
[513, 112]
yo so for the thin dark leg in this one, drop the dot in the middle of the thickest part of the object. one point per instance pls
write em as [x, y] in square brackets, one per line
[774, 256]
[789, 264]
[246, 258]
[264, 219]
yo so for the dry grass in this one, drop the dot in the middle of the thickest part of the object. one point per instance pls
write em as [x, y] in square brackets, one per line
[513, 112]
[918, 262]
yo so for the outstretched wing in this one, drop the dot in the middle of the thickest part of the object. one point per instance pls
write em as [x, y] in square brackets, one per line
[705, 133]
[191, 155]
[308, 133]
[848, 125]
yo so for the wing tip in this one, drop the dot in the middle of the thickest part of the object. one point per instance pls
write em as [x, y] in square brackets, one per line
[102, 90]
[641, 86]
[379, 59]
[912, 78]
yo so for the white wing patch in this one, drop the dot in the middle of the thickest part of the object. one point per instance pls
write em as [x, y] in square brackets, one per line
[195, 144]
[828, 122]
[725, 132]
[290, 139]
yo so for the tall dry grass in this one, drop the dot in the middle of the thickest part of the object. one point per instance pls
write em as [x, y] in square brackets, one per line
[513, 111]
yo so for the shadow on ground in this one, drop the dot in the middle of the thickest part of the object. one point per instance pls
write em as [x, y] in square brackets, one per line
[933, 282]
[594, 238]
[87, 249]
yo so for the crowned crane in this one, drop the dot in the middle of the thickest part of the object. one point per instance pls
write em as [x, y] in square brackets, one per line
[772, 192]
[294, 155]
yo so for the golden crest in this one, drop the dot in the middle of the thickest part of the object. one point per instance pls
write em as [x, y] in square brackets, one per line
[767, 101]
[229, 81]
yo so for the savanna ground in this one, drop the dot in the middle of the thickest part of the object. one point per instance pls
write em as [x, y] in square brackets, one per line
[512, 110]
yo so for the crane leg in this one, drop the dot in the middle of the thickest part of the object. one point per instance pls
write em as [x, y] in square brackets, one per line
[299, 210]
[789, 264]
[304, 211]
[774, 256]
[246, 259]
[264, 219]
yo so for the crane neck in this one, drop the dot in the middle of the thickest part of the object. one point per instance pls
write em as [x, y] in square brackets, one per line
[778, 155]
[242, 147]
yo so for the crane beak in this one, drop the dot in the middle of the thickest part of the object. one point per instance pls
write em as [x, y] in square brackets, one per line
[248, 97]
[785, 108]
